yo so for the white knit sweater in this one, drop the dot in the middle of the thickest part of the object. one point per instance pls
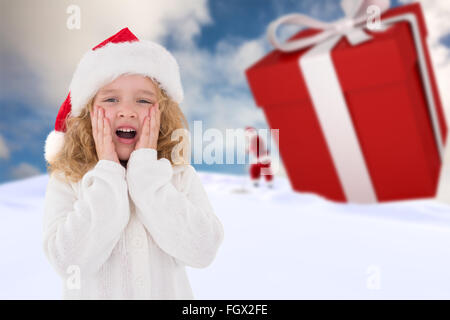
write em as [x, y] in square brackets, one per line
[129, 233]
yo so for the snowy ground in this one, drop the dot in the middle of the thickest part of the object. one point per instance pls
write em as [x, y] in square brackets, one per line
[278, 244]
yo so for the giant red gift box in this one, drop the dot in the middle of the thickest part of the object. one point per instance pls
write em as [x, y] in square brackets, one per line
[382, 86]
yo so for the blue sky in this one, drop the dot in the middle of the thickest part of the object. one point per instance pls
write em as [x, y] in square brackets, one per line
[213, 41]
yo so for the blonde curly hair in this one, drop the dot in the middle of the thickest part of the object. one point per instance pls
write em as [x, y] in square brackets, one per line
[78, 154]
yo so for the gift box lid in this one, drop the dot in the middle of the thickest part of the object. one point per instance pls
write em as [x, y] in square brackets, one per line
[387, 58]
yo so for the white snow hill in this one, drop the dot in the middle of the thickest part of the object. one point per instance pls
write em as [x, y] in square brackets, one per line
[278, 244]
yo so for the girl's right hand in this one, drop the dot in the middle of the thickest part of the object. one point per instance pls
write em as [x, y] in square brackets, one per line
[101, 131]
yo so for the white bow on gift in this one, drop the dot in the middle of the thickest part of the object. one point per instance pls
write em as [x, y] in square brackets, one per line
[351, 26]
[320, 76]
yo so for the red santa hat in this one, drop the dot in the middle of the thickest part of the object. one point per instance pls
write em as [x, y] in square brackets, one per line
[120, 54]
[249, 132]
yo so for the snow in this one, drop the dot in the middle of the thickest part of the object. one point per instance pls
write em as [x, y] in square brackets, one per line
[278, 244]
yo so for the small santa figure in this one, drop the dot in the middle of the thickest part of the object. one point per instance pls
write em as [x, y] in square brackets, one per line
[260, 162]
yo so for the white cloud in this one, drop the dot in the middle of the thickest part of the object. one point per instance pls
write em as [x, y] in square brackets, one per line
[34, 33]
[215, 84]
[233, 59]
[24, 170]
[4, 151]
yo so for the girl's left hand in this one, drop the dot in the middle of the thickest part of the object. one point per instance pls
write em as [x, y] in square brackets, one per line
[150, 129]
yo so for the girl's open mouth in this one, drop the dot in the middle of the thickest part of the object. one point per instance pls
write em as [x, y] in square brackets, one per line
[127, 136]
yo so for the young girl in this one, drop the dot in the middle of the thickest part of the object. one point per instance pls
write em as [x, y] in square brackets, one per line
[124, 214]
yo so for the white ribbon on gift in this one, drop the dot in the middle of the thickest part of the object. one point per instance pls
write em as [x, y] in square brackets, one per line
[320, 77]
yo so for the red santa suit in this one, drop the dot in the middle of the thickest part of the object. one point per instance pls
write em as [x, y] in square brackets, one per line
[260, 163]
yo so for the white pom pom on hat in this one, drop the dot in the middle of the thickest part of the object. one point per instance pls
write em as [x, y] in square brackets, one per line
[120, 54]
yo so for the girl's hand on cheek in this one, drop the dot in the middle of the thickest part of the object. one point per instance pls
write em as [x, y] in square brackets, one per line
[150, 129]
[101, 131]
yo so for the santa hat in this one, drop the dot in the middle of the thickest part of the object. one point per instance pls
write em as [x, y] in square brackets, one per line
[122, 53]
[249, 131]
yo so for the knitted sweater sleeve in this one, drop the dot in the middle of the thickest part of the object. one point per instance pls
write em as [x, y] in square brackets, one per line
[82, 230]
[181, 222]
